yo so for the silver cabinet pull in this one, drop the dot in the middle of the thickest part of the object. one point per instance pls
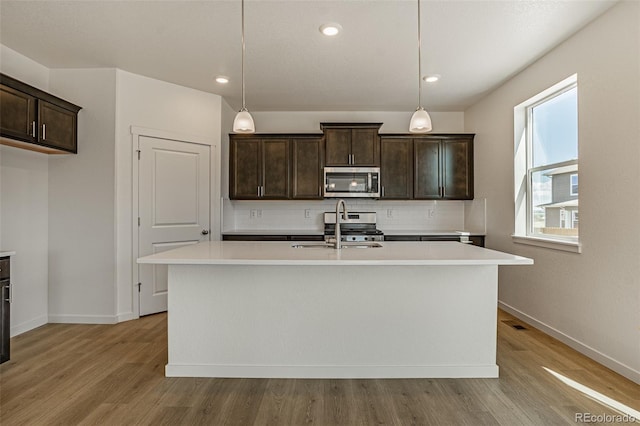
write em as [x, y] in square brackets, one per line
[383, 191]
[33, 129]
[258, 190]
[44, 131]
[7, 298]
[205, 232]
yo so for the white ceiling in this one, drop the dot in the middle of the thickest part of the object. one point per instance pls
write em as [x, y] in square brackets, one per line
[372, 65]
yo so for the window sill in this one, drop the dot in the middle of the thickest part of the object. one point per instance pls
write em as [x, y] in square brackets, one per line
[570, 246]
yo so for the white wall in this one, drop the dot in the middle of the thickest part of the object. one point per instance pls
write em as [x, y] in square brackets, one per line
[154, 104]
[24, 210]
[589, 300]
[82, 203]
[309, 121]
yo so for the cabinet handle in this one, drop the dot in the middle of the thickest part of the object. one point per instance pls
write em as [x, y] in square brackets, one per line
[443, 192]
[353, 159]
[8, 297]
[44, 131]
[33, 129]
[258, 190]
[383, 191]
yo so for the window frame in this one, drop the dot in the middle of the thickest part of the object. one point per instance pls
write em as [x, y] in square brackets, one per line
[523, 172]
[571, 184]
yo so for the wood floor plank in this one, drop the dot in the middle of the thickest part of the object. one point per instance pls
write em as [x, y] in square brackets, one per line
[72, 374]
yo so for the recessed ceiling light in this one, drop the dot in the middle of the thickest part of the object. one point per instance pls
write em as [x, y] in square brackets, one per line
[222, 79]
[331, 29]
[431, 78]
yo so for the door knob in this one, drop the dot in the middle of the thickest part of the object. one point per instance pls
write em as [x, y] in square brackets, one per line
[205, 232]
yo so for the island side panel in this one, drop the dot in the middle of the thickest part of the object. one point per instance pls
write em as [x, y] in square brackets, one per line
[332, 321]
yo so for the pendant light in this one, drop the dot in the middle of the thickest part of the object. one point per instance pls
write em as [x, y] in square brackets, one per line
[243, 123]
[420, 120]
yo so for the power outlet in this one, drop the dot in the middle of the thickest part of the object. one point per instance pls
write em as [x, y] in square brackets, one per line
[253, 213]
[307, 214]
[390, 213]
[430, 213]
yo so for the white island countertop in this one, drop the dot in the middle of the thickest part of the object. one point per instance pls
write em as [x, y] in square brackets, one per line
[284, 253]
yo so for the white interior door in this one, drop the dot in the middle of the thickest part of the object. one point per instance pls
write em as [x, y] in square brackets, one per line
[173, 208]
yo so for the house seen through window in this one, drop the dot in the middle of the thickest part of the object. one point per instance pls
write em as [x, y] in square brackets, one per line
[548, 162]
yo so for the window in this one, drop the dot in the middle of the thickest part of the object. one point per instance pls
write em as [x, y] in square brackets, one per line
[546, 167]
[574, 184]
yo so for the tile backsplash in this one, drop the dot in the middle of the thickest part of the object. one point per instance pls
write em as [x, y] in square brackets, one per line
[436, 216]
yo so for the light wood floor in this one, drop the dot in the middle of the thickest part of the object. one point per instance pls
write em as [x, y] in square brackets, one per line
[113, 375]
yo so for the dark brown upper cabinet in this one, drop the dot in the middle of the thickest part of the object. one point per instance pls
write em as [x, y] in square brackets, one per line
[259, 168]
[36, 120]
[396, 168]
[275, 166]
[443, 167]
[290, 166]
[307, 156]
[351, 144]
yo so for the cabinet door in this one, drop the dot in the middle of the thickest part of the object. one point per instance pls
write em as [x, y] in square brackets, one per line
[5, 316]
[275, 168]
[57, 127]
[457, 169]
[338, 146]
[396, 168]
[307, 162]
[427, 169]
[17, 115]
[244, 176]
[365, 148]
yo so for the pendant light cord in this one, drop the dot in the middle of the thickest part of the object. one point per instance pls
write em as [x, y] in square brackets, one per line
[419, 60]
[244, 108]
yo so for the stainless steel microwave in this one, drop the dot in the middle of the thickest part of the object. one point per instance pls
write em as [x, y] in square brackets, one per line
[352, 182]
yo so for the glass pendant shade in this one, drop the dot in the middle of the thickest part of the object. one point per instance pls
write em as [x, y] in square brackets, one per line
[243, 123]
[420, 122]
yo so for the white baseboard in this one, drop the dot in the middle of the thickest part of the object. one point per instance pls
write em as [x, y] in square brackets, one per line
[83, 319]
[584, 349]
[332, 372]
[127, 316]
[28, 325]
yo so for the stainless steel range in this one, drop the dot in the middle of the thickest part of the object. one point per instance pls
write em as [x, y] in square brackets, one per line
[358, 226]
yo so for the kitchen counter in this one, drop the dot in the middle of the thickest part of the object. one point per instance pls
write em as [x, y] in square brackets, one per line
[266, 309]
[7, 253]
[284, 253]
[321, 232]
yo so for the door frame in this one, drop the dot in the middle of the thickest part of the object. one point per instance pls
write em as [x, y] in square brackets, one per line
[215, 204]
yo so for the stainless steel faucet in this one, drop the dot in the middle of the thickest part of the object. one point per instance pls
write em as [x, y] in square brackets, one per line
[340, 202]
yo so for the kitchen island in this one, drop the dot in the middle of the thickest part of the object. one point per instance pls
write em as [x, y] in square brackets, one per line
[269, 309]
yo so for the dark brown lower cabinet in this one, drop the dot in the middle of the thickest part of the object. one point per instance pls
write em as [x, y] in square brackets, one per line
[262, 237]
[5, 309]
[476, 240]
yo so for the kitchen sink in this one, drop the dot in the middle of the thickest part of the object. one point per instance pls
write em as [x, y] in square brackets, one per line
[344, 245]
